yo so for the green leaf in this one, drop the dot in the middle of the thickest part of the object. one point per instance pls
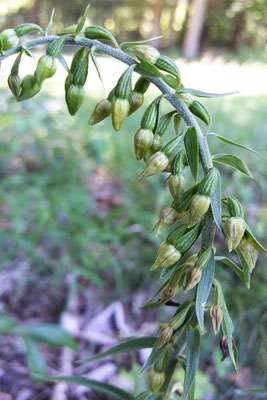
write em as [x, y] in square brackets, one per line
[191, 148]
[153, 357]
[231, 264]
[80, 25]
[252, 392]
[50, 23]
[228, 328]
[216, 205]
[149, 306]
[142, 396]
[27, 51]
[245, 267]
[63, 62]
[192, 391]
[96, 65]
[23, 29]
[203, 290]
[233, 161]
[50, 334]
[249, 232]
[131, 44]
[199, 93]
[35, 359]
[192, 358]
[6, 324]
[148, 70]
[177, 122]
[172, 81]
[110, 390]
[226, 140]
[132, 344]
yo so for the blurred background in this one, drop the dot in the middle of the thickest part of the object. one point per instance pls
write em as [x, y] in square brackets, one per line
[75, 220]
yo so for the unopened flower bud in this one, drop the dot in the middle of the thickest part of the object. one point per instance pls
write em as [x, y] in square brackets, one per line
[29, 87]
[9, 39]
[168, 293]
[199, 205]
[179, 318]
[102, 110]
[216, 315]
[142, 142]
[156, 380]
[74, 98]
[14, 84]
[146, 52]
[192, 278]
[234, 230]
[176, 185]
[165, 335]
[204, 258]
[155, 164]
[46, 68]
[224, 347]
[120, 110]
[136, 102]
[249, 251]
[166, 256]
[168, 217]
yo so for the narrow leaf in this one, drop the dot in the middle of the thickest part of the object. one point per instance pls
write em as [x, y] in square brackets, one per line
[63, 62]
[35, 359]
[203, 290]
[231, 264]
[110, 390]
[142, 396]
[148, 70]
[228, 329]
[249, 232]
[96, 66]
[80, 25]
[191, 148]
[226, 140]
[50, 23]
[252, 392]
[130, 44]
[153, 357]
[233, 161]
[149, 306]
[245, 267]
[172, 81]
[132, 344]
[6, 324]
[27, 51]
[50, 334]
[199, 93]
[216, 205]
[192, 358]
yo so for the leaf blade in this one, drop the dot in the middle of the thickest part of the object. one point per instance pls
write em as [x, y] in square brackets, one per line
[35, 359]
[231, 264]
[50, 23]
[199, 93]
[192, 358]
[226, 140]
[233, 161]
[192, 153]
[80, 25]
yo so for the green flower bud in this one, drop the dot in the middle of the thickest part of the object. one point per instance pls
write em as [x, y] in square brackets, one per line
[179, 318]
[168, 217]
[234, 230]
[156, 380]
[120, 110]
[136, 102]
[200, 111]
[46, 68]
[9, 39]
[168, 293]
[249, 251]
[68, 81]
[155, 164]
[102, 110]
[142, 142]
[14, 84]
[166, 256]
[29, 87]
[216, 315]
[165, 335]
[74, 98]
[204, 257]
[192, 278]
[199, 205]
[176, 185]
[145, 52]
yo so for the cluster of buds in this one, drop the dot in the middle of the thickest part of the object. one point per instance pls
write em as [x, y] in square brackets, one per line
[235, 226]
[194, 274]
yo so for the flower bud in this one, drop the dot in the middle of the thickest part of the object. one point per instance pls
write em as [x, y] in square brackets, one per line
[179, 318]
[142, 142]
[29, 87]
[249, 251]
[168, 293]
[203, 258]
[216, 315]
[192, 278]
[165, 335]
[146, 52]
[102, 110]
[198, 206]
[155, 164]
[156, 380]
[74, 98]
[166, 256]
[14, 84]
[234, 230]
[9, 39]
[176, 185]
[46, 68]
[136, 102]
[120, 110]
[168, 217]
[224, 347]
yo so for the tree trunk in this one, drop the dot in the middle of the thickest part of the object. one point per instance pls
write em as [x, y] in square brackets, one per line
[194, 28]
